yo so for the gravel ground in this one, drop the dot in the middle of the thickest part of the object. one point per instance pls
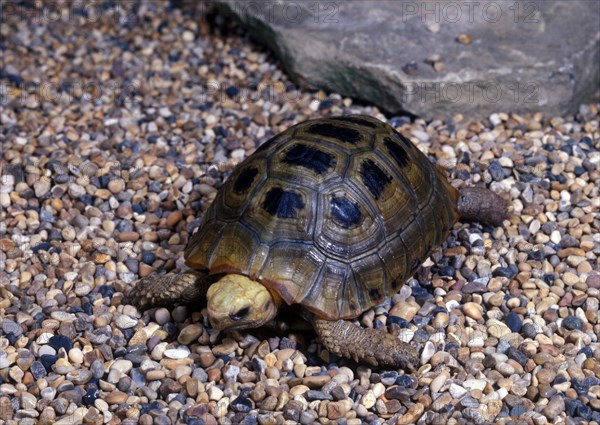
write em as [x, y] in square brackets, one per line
[116, 132]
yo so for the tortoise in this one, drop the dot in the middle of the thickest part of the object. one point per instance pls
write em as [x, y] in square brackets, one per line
[332, 215]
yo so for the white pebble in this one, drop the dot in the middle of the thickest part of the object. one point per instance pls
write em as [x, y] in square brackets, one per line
[368, 399]
[188, 36]
[121, 365]
[428, 352]
[177, 353]
[215, 393]
[495, 119]
[63, 316]
[474, 384]
[125, 322]
[438, 382]
[456, 391]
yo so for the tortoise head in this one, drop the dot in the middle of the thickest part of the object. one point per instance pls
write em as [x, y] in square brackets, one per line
[237, 302]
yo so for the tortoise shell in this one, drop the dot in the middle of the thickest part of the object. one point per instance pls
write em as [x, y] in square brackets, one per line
[333, 214]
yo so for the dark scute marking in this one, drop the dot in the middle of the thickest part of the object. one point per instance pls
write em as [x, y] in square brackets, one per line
[403, 139]
[267, 144]
[397, 152]
[310, 158]
[281, 203]
[344, 134]
[374, 177]
[345, 212]
[245, 180]
[374, 293]
[416, 264]
[356, 120]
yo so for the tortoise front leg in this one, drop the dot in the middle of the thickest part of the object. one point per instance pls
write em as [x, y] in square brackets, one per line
[372, 346]
[168, 289]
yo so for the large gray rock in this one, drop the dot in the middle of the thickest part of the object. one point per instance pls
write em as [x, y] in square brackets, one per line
[514, 56]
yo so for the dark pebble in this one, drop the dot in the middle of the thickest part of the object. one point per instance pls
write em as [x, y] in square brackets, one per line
[97, 369]
[584, 412]
[148, 257]
[581, 387]
[403, 323]
[568, 149]
[155, 187]
[405, 381]
[338, 393]
[400, 121]
[148, 407]
[292, 411]
[378, 324]
[518, 410]
[317, 395]
[587, 351]
[11, 337]
[258, 365]
[571, 406]
[463, 175]
[438, 310]
[447, 271]
[559, 379]
[529, 330]
[537, 255]
[421, 335]
[399, 393]
[44, 246]
[468, 274]
[48, 361]
[87, 308]
[517, 355]
[231, 91]
[169, 386]
[474, 288]
[91, 395]
[132, 264]
[548, 147]
[73, 396]
[503, 272]
[325, 104]
[572, 323]
[287, 343]
[242, 405]
[106, 291]
[124, 226]
[162, 420]
[469, 401]
[514, 322]
[37, 370]
[496, 171]
[59, 405]
[421, 321]
[170, 328]
[60, 341]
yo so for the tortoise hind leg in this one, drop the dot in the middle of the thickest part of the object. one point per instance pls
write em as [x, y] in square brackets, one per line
[372, 346]
[169, 289]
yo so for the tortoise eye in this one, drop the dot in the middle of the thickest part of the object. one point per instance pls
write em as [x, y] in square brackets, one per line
[240, 314]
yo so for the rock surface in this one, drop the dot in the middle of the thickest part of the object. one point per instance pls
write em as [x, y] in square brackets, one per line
[432, 58]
